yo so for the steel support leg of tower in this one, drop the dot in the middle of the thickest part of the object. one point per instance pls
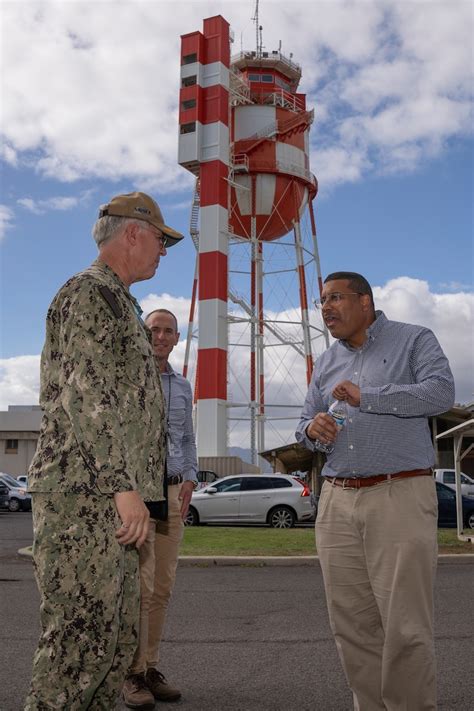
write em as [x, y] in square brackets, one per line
[260, 371]
[303, 302]
[189, 335]
[317, 262]
[253, 343]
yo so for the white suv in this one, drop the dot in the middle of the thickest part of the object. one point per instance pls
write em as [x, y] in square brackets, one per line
[447, 476]
[275, 499]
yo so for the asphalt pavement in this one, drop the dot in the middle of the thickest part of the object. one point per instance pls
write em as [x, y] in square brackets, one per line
[251, 637]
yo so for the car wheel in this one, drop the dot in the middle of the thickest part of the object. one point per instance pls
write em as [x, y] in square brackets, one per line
[470, 520]
[192, 517]
[13, 505]
[281, 517]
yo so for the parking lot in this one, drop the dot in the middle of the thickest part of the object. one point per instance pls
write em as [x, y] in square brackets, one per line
[240, 638]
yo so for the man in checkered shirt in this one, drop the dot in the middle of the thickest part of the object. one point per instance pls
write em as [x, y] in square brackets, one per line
[376, 526]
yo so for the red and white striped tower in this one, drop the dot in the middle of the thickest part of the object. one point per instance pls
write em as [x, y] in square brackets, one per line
[204, 150]
[244, 133]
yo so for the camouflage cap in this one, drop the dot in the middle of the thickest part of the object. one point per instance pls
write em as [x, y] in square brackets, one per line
[141, 207]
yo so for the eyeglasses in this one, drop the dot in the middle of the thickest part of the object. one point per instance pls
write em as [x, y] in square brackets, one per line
[162, 237]
[335, 298]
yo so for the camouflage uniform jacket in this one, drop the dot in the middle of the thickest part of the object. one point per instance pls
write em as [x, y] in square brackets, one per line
[103, 414]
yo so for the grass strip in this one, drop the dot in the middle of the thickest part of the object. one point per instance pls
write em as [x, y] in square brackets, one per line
[246, 541]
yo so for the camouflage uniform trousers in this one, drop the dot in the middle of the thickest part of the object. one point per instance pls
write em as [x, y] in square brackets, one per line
[89, 587]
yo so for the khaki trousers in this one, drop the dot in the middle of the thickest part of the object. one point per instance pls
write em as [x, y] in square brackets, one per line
[378, 551]
[158, 562]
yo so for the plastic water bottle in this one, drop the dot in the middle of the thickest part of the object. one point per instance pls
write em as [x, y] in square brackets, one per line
[338, 411]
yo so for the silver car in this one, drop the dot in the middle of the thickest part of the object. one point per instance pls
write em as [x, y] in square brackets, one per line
[278, 500]
[447, 477]
[18, 498]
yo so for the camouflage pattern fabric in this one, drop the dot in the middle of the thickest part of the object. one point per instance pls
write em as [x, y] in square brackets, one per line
[89, 611]
[103, 422]
[102, 432]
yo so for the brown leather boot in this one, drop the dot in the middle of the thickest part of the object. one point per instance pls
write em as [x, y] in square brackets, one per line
[159, 687]
[136, 693]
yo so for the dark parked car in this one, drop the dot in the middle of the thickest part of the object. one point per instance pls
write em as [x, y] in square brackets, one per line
[447, 508]
[4, 495]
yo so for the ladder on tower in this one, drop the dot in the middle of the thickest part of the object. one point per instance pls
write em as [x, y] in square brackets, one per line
[194, 219]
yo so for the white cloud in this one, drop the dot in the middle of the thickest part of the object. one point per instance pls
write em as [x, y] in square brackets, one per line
[30, 205]
[39, 207]
[456, 286]
[6, 217]
[450, 316]
[178, 305]
[338, 164]
[61, 203]
[390, 83]
[19, 381]
[8, 154]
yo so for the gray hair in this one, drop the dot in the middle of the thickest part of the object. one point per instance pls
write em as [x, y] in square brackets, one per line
[105, 228]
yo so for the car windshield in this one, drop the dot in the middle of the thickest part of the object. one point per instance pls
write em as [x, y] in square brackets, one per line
[232, 484]
[10, 480]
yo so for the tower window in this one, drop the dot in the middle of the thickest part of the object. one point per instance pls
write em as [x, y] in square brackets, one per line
[189, 81]
[189, 58]
[188, 127]
[188, 104]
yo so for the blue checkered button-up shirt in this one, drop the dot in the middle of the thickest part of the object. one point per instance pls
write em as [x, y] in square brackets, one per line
[404, 377]
[179, 407]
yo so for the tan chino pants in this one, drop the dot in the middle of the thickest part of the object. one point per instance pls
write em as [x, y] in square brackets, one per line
[158, 562]
[378, 550]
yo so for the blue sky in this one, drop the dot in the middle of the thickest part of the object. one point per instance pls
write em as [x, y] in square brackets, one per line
[417, 225]
[88, 114]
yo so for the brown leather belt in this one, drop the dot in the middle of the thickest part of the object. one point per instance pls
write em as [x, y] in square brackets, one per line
[175, 479]
[357, 483]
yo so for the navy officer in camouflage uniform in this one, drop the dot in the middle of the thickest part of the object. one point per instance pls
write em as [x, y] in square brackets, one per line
[100, 456]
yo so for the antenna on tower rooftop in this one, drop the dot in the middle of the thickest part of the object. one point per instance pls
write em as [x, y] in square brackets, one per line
[258, 31]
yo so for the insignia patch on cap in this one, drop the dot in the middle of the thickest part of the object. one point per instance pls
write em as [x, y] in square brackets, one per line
[143, 210]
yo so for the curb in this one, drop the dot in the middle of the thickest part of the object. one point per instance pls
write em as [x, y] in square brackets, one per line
[256, 561]
[208, 561]
[26, 552]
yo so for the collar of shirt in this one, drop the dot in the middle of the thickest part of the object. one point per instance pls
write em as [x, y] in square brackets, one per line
[372, 332]
[169, 370]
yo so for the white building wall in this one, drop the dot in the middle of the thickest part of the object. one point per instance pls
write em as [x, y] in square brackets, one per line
[22, 424]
